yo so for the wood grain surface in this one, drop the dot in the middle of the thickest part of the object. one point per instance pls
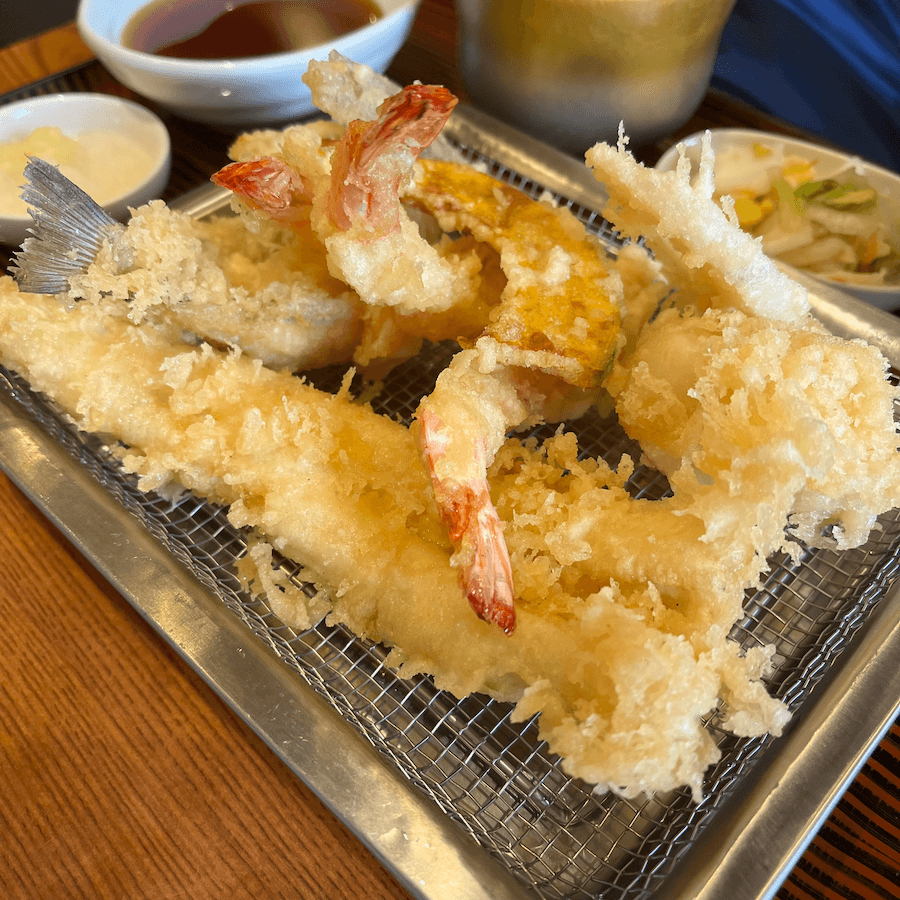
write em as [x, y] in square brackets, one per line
[45, 54]
[122, 775]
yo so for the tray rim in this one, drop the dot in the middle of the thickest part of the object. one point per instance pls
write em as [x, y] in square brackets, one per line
[832, 735]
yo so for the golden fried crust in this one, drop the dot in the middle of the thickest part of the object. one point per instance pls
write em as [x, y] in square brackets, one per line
[560, 311]
[333, 485]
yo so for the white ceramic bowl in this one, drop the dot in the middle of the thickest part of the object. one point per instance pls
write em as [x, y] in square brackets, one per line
[254, 91]
[885, 182]
[80, 116]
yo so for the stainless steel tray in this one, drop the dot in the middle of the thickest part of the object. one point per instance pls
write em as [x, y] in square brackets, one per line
[460, 802]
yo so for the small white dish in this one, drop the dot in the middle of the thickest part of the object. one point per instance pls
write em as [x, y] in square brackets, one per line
[239, 93]
[828, 163]
[89, 119]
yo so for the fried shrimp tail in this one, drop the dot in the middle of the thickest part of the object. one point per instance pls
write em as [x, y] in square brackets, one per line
[474, 528]
[269, 185]
[374, 159]
[347, 90]
[368, 165]
[462, 425]
[372, 243]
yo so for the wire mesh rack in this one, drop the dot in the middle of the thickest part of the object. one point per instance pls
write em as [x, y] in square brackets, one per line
[494, 778]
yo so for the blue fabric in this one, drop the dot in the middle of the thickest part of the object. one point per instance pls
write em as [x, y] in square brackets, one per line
[831, 67]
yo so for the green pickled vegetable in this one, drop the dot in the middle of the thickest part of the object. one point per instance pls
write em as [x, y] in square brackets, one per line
[828, 192]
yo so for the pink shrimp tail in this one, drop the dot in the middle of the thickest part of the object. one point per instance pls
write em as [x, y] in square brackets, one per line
[372, 158]
[269, 185]
[486, 576]
[476, 532]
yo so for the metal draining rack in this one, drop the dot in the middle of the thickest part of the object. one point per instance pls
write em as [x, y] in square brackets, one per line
[494, 779]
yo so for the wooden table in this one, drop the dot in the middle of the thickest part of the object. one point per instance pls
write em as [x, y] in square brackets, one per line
[122, 775]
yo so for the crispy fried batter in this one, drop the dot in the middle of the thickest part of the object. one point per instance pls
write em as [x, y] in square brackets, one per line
[711, 261]
[559, 312]
[266, 291]
[621, 683]
[754, 420]
[771, 432]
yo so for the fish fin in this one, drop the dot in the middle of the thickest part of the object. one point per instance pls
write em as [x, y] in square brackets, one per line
[69, 229]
